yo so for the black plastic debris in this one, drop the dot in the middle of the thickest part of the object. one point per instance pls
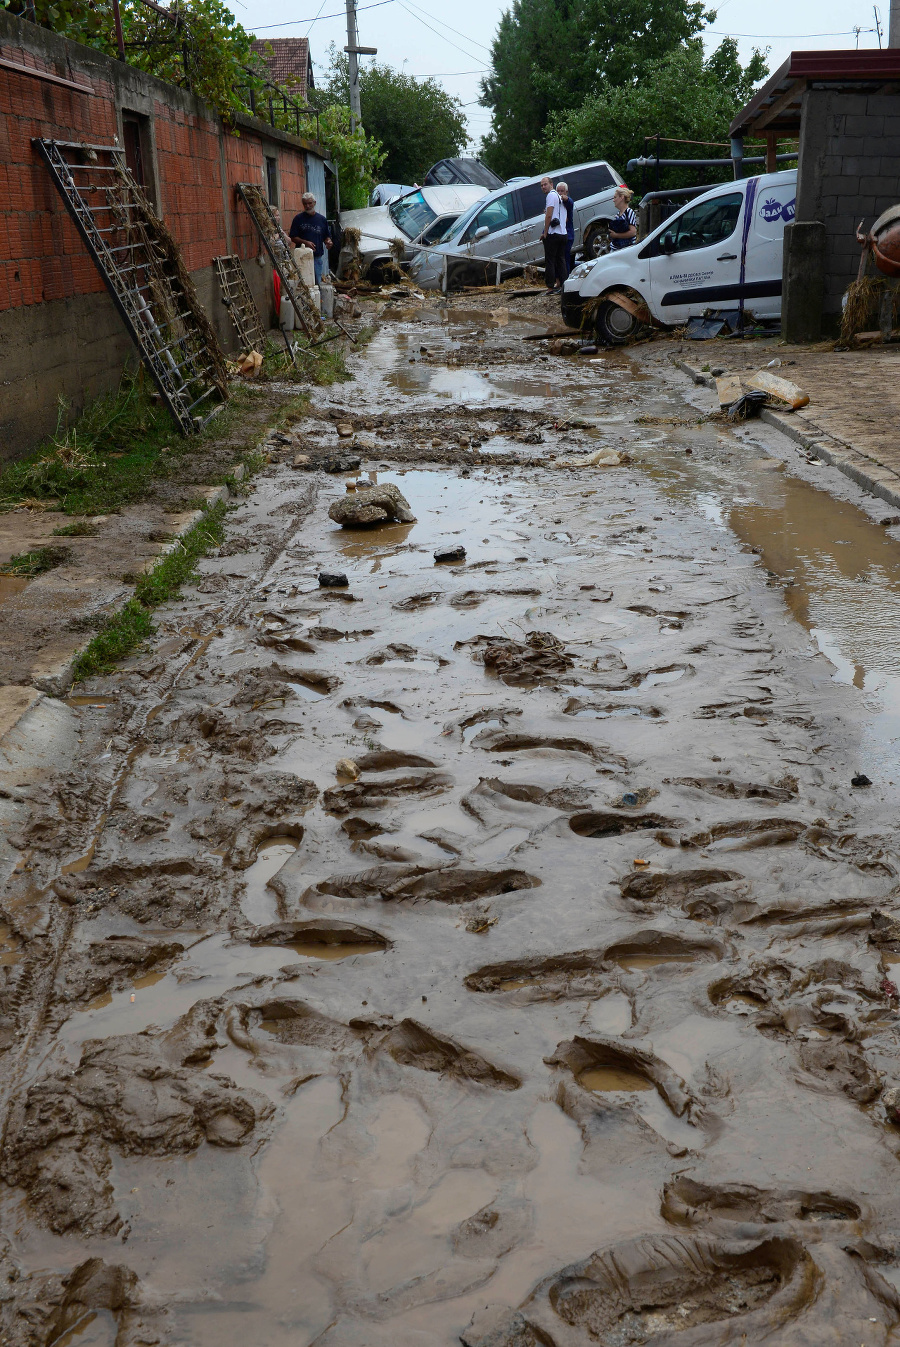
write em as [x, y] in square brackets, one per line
[341, 463]
[333, 580]
[714, 323]
[450, 553]
[748, 406]
[860, 780]
[589, 349]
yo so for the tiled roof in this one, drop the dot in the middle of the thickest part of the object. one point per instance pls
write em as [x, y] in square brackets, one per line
[287, 56]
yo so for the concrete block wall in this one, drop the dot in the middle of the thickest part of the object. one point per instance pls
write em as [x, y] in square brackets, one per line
[60, 335]
[849, 170]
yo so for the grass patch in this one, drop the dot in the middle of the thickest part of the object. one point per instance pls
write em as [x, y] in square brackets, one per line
[82, 528]
[321, 365]
[118, 638]
[109, 456]
[126, 630]
[36, 562]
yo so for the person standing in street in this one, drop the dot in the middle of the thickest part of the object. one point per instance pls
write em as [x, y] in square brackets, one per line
[569, 206]
[554, 238]
[623, 229]
[310, 230]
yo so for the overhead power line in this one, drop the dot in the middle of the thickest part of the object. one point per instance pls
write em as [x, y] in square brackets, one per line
[465, 37]
[442, 36]
[340, 14]
[776, 37]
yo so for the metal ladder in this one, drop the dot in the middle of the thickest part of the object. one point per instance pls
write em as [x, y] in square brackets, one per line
[141, 266]
[277, 246]
[239, 302]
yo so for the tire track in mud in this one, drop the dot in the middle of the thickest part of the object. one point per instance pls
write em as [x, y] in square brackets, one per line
[527, 1033]
[64, 912]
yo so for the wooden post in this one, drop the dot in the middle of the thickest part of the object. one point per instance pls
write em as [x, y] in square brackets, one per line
[771, 152]
[120, 37]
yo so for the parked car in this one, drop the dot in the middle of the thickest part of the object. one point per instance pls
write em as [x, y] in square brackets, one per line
[385, 192]
[447, 171]
[722, 249]
[507, 225]
[420, 217]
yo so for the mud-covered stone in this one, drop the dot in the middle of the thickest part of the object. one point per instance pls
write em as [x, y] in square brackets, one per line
[332, 580]
[374, 505]
[140, 1094]
[457, 553]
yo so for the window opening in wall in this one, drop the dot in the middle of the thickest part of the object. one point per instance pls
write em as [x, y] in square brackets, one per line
[136, 143]
[272, 180]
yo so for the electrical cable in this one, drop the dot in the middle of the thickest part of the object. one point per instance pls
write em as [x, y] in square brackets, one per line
[777, 37]
[413, 15]
[292, 23]
[464, 36]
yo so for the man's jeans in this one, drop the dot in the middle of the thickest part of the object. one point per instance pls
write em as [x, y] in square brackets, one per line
[321, 266]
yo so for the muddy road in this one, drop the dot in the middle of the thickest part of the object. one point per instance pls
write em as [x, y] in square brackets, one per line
[493, 951]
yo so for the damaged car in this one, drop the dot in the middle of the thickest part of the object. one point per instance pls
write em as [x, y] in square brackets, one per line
[502, 233]
[389, 234]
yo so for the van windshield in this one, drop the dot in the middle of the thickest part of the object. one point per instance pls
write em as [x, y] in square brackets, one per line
[412, 214]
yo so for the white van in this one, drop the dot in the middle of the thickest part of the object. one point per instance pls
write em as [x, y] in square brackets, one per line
[721, 250]
[506, 227]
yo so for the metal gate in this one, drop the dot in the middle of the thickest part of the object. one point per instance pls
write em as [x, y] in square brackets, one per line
[277, 246]
[141, 266]
[239, 302]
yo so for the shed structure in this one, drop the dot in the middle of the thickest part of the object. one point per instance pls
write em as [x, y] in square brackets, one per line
[844, 106]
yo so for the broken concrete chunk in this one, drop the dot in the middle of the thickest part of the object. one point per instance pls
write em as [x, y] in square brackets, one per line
[345, 769]
[344, 429]
[374, 505]
[333, 580]
[301, 461]
[457, 553]
[341, 463]
[782, 389]
[729, 389]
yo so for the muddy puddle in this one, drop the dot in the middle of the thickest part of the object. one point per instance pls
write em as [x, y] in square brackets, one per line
[481, 954]
[10, 586]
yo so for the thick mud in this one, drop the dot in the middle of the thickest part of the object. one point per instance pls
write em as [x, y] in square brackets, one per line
[492, 951]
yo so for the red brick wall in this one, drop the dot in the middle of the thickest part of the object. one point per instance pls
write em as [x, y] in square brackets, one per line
[41, 255]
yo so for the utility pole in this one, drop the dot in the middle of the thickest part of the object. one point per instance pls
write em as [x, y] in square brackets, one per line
[353, 50]
[878, 28]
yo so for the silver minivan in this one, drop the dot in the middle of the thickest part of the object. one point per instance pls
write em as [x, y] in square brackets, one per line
[505, 228]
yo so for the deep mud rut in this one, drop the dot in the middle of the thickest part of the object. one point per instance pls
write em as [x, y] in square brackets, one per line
[571, 1020]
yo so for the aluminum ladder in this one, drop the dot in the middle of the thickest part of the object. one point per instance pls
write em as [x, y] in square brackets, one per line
[277, 245]
[239, 301]
[141, 266]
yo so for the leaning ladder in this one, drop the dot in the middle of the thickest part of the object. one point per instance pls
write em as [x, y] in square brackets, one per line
[239, 302]
[275, 243]
[141, 266]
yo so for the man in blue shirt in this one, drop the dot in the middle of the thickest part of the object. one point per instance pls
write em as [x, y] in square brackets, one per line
[310, 230]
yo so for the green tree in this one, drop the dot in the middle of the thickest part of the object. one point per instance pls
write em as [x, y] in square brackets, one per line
[202, 47]
[358, 157]
[549, 55]
[415, 121]
[681, 95]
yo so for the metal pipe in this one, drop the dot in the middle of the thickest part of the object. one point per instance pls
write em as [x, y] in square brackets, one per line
[703, 163]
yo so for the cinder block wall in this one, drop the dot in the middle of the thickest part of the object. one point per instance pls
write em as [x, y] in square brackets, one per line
[60, 336]
[849, 170]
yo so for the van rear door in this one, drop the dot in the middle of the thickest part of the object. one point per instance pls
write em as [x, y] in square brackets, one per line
[700, 267]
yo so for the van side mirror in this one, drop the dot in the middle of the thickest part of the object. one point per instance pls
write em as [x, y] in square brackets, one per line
[667, 243]
[482, 233]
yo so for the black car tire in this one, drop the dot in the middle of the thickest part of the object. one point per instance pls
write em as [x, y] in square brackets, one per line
[596, 241]
[615, 325]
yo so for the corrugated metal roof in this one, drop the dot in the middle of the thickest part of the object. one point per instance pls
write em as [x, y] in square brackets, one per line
[776, 107]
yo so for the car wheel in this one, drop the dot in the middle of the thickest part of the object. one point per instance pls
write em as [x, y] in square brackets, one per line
[596, 241]
[615, 325]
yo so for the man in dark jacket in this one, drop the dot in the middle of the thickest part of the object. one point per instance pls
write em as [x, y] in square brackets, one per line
[310, 230]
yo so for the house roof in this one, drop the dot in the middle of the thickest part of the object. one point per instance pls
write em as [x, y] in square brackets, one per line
[287, 58]
[776, 106]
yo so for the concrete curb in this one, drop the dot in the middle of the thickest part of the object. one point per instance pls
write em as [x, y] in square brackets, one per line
[53, 675]
[853, 463]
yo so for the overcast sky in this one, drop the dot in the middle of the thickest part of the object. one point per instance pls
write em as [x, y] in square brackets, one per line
[451, 42]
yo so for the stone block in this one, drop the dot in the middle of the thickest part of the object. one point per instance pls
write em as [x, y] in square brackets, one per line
[878, 184]
[883, 105]
[803, 278]
[839, 184]
[855, 165]
[864, 126]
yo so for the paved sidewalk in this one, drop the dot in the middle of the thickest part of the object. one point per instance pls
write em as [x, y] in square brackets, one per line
[853, 414]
